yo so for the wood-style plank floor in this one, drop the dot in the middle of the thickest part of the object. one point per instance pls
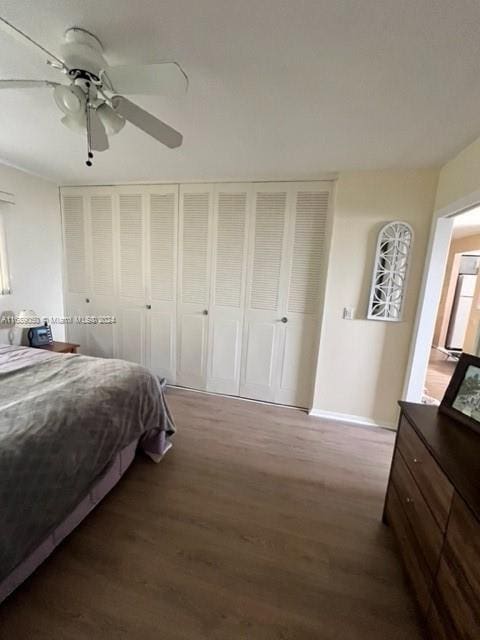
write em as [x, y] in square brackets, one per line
[262, 523]
[439, 373]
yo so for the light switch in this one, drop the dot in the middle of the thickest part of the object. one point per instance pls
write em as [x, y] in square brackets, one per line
[348, 313]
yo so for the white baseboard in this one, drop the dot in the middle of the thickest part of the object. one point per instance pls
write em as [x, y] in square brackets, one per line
[351, 419]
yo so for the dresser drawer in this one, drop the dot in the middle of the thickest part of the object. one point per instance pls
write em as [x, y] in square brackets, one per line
[413, 559]
[428, 533]
[457, 591]
[431, 480]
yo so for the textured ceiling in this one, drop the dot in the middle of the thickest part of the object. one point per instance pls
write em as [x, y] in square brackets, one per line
[278, 89]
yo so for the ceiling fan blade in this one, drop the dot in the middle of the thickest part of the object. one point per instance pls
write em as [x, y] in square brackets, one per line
[26, 84]
[19, 35]
[147, 123]
[98, 136]
[165, 78]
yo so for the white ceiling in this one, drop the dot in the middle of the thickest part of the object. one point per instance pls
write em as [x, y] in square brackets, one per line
[467, 224]
[279, 89]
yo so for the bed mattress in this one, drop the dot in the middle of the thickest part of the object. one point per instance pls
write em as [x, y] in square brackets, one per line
[66, 421]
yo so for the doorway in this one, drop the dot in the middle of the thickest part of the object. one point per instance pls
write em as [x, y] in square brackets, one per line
[448, 316]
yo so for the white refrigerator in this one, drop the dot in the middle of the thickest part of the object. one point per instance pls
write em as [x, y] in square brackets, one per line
[462, 306]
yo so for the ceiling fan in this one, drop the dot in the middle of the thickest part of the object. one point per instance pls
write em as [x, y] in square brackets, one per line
[91, 102]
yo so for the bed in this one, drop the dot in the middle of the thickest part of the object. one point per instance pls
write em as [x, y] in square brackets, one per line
[70, 426]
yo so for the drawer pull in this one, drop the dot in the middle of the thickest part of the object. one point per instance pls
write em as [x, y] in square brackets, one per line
[416, 461]
[409, 500]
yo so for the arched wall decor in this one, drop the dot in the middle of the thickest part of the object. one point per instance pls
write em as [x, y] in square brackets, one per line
[390, 272]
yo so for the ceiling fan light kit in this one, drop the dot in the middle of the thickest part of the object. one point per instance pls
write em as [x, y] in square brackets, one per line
[86, 102]
[112, 121]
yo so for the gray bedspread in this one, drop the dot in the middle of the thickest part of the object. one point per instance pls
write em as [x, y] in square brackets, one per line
[63, 419]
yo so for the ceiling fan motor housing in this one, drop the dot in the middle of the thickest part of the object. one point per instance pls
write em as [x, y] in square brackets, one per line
[83, 53]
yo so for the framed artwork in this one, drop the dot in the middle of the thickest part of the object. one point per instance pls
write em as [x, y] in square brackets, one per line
[462, 397]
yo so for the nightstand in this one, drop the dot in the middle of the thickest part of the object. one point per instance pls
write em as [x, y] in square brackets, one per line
[61, 347]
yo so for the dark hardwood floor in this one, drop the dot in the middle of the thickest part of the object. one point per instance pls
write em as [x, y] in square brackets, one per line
[262, 523]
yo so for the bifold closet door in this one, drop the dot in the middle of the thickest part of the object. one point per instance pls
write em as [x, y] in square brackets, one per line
[263, 328]
[285, 279]
[89, 266]
[232, 203]
[194, 271]
[147, 249]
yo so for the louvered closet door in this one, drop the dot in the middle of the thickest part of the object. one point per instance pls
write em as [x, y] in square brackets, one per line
[131, 274]
[227, 295]
[194, 262]
[74, 217]
[308, 221]
[263, 329]
[102, 290]
[162, 222]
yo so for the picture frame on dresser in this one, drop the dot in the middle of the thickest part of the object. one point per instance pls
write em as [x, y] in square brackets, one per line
[462, 397]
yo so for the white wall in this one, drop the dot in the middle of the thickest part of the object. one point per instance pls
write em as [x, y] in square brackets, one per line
[362, 363]
[33, 228]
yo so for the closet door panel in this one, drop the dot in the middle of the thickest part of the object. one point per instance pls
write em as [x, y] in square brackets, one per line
[261, 344]
[74, 242]
[192, 352]
[102, 290]
[306, 264]
[162, 214]
[297, 368]
[225, 354]
[131, 222]
[265, 292]
[161, 344]
[131, 245]
[230, 229]
[76, 330]
[132, 334]
[194, 263]
[75, 264]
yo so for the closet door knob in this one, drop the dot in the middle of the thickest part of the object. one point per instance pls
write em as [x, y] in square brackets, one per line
[87, 299]
[205, 312]
[284, 320]
[148, 306]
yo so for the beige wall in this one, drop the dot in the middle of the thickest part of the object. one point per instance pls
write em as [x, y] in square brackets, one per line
[457, 247]
[34, 245]
[459, 177]
[362, 363]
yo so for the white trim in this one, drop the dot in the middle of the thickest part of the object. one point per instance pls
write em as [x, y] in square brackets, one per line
[430, 292]
[350, 419]
[459, 206]
[322, 177]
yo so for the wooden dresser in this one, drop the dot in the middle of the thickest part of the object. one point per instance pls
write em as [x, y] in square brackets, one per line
[433, 507]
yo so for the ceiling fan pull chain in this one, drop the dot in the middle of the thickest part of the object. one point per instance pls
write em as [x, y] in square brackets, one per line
[89, 162]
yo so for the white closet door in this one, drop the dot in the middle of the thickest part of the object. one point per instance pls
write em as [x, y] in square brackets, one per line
[307, 262]
[227, 295]
[196, 210]
[263, 329]
[131, 274]
[74, 218]
[162, 208]
[102, 293]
